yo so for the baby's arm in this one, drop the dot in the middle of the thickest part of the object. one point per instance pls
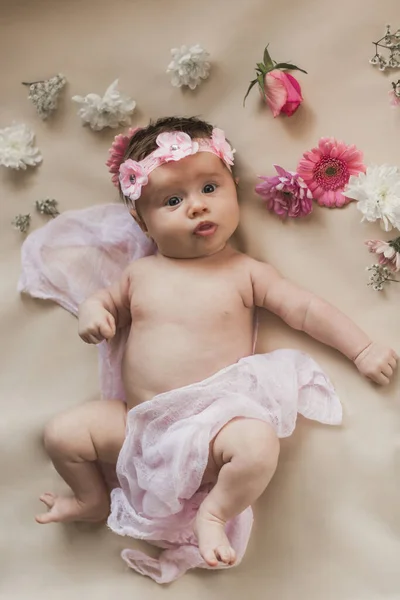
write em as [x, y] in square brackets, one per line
[304, 311]
[105, 311]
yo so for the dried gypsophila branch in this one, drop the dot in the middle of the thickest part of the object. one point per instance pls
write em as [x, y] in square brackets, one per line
[47, 207]
[380, 275]
[392, 44]
[44, 94]
[22, 222]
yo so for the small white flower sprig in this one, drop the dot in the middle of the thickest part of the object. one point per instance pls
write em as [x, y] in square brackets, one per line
[17, 149]
[390, 42]
[111, 110]
[48, 207]
[44, 94]
[22, 222]
[189, 66]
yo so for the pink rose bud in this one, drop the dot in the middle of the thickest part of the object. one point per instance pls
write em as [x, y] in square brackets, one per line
[282, 92]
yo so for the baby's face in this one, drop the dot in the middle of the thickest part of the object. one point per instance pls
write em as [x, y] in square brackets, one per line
[190, 207]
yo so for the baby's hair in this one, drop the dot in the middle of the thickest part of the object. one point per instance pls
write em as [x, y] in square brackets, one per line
[143, 141]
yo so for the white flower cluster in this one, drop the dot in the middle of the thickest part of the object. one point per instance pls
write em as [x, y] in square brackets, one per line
[378, 195]
[44, 94]
[379, 276]
[189, 66]
[16, 147]
[111, 110]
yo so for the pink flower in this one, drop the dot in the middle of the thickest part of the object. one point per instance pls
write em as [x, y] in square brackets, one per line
[388, 252]
[221, 146]
[394, 99]
[282, 93]
[280, 90]
[117, 153]
[327, 169]
[286, 194]
[132, 177]
[174, 145]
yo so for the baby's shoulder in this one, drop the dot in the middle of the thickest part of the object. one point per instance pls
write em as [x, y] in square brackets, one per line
[140, 266]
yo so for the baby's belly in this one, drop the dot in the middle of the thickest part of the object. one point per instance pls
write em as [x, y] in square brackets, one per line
[169, 357]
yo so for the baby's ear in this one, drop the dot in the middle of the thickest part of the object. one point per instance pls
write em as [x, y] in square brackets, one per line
[138, 220]
[236, 180]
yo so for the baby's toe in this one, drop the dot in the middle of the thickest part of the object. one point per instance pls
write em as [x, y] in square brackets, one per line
[210, 557]
[48, 499]
[226, 554]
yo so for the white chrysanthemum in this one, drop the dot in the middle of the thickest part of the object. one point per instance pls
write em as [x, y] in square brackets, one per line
[112, 110]
[378, 195]
[189, 66]
[16, 147]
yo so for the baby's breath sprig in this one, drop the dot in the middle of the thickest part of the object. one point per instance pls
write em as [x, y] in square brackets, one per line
[47, 207]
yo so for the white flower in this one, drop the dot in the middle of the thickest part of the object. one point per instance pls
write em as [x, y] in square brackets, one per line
[189, 66]
[16, 147]
[44, 94]
[112, 110]
[378, 195]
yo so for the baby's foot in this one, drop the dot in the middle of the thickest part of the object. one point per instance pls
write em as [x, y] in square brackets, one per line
[69, 508]
[214, 545]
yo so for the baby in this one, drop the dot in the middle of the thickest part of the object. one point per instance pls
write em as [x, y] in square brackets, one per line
[190, 308]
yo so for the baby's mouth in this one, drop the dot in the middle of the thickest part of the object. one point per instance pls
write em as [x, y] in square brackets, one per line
[205, 228]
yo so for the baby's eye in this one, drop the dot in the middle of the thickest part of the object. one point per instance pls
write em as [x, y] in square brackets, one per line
[174, 201]
[209, 188]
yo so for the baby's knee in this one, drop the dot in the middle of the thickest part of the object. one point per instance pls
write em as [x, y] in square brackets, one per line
[251, 442]
[59, 435]
[261, 450]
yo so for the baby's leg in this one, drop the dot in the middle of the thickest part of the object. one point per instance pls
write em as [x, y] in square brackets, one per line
[246, 452]
[75, 440]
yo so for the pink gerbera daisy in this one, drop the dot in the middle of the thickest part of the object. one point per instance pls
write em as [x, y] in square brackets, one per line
[327, 169]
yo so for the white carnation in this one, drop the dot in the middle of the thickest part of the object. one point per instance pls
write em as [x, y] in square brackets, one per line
[378, 195]
[189, 66]
[16, 147]
[112, 110]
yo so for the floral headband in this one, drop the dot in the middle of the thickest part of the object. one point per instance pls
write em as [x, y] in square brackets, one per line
[132, 175]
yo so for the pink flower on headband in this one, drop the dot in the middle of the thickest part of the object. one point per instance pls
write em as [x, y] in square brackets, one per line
[132, 177]
[174, 145]
[221, 146]
[117, 152]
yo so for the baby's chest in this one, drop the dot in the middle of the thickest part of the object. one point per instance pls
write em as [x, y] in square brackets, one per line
[184, 301]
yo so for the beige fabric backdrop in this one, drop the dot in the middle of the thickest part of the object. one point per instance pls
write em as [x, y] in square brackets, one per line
[328, 526]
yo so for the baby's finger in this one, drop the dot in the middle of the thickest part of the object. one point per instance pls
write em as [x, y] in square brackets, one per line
[393, 362]
[387, 370]
[382, 379]
[94, 339]
[111, 323]
[106, 331]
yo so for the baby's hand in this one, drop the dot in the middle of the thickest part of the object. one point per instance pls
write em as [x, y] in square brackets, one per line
[95, 323]
[377, 362]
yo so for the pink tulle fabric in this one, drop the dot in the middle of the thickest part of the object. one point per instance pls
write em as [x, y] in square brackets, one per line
[75, 255]
[165, 453]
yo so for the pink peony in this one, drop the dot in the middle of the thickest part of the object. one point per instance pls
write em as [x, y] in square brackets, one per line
[282, 93]
[117, 153]
[286, 194]
[388, 252]
[327, 169]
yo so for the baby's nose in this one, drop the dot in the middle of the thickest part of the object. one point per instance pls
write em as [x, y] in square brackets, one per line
[198, 206]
